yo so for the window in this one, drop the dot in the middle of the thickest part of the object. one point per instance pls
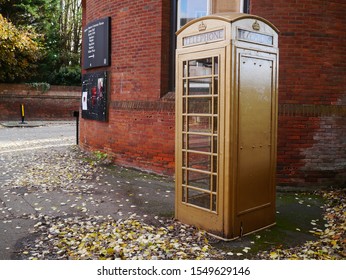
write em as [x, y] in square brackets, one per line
[182, 11]
[200, 118]
[191, 9]
[245, 6]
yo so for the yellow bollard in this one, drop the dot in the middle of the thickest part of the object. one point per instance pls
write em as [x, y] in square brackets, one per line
[22, 112]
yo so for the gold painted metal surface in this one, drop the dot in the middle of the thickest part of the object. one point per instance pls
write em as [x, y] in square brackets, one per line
[226, 124]
[198, 140]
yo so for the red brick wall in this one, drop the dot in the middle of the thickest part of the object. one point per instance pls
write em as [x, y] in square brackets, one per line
[137, 44]
[312, 91]
[312, 102]
[140, 130]
[142, 137]
[58, 103]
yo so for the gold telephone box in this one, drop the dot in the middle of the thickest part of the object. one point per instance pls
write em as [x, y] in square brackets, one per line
[226, 123]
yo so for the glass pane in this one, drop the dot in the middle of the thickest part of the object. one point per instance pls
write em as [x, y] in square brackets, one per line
[185, 69]
[198, 198]
[200, 67]
[183, 193]
[214, 164]
[214, 188]
[216, 105]
[216, 65]
[184, 141]
[213, 208]
[200, 86]
[199, 143]
[185, 88]
[215, 145]
[200, 124]
[191, 9]
[185, 127]
[199, 161]
[216, 86]
[200, 105]
[199, 180]
[215, 125]
[184, 159]
[184, 177]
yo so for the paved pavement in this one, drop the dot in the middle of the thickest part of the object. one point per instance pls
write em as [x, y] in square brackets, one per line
[15, 137]
[34, 160]
[42, 172]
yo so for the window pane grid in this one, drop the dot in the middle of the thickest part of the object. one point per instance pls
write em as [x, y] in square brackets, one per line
[200, 132]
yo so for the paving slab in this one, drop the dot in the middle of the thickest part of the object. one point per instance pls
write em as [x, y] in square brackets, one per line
[62, 182]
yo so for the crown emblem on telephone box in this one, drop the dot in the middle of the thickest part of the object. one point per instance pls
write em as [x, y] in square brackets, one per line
[202, 26]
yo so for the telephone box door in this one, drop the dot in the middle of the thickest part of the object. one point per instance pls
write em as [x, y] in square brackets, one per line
[256, 137]
[199, 139]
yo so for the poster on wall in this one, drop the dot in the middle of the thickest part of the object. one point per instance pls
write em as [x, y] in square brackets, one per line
[94, 96]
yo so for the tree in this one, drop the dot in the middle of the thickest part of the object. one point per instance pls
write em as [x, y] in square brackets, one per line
[59, 23]
[70, 32]
[18, 52]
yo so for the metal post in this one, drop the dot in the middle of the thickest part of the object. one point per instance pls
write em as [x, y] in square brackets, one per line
[76, 114]
[22, 113]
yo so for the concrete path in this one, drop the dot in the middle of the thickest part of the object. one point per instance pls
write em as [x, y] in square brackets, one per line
[43, 173]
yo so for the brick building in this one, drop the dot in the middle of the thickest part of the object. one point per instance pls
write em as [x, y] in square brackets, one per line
[140, 127]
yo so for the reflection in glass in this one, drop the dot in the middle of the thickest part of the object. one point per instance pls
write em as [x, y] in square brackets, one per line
[200, 105]
[198, 198]
[185, 88]
[213, 207]
[200, 132]
[216, 86]
[200, 124]
[184, 177]
[214, 164]
[199, 161]
[191, 9]
[216, 65]
[215, 145]
[200, 67]
[200, 143]
[198, 180]
[214, 188]
[215, 125]
[216, 106]
[200, 86]
[185, 124]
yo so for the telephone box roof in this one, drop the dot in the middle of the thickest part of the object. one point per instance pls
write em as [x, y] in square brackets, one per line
[228, 17]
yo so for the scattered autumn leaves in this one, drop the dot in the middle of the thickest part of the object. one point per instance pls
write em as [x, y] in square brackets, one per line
[96, 238]
[61, 235]
[331, 244]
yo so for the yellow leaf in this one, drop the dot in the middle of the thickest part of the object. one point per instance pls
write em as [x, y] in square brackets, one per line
[274, 255]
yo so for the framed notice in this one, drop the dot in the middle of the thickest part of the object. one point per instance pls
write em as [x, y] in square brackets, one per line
[94, 96]
[96, 44]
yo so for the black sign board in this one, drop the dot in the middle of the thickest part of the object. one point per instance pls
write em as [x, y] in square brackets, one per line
[96, 44]
[94, 96]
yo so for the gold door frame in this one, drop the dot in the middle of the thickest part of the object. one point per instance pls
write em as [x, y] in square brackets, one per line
[207, 212]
